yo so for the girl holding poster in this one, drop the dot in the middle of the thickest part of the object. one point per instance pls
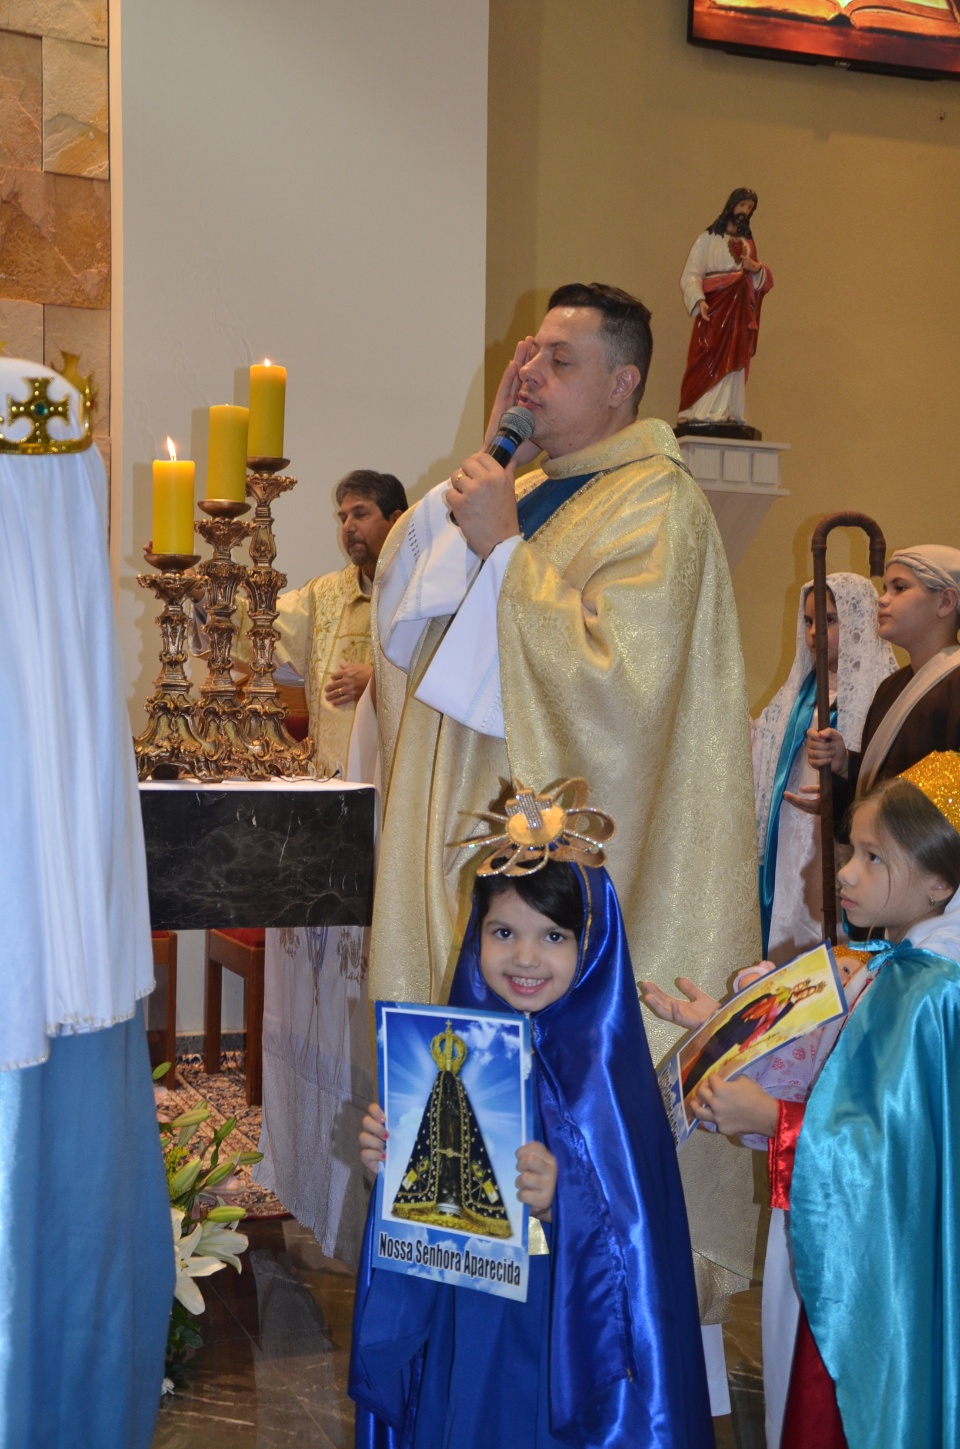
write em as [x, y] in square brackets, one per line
[606, 1350]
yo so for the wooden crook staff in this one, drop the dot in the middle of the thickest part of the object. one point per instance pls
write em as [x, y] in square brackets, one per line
[818, 547]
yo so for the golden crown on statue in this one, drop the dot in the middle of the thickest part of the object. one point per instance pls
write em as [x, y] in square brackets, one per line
[42, 410]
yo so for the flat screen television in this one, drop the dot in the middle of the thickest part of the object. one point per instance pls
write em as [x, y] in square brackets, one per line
[906, 37]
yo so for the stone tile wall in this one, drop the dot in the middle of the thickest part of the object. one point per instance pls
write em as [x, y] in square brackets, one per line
[55, 189]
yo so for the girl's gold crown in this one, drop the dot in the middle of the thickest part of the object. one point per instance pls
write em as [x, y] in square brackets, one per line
[543, 827]
[938, 776]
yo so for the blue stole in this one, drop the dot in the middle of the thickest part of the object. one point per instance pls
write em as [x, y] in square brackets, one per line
[538, 506]
[797, 725]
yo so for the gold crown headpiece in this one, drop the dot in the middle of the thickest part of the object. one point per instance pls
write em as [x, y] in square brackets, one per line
[41, 411]
[938, 776]
[541, 828]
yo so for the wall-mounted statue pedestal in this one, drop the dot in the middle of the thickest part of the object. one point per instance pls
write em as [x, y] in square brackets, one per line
[276, 853]
[741, 479]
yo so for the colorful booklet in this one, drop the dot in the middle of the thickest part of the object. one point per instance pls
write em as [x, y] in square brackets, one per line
[455, 1088]
[764, 1017]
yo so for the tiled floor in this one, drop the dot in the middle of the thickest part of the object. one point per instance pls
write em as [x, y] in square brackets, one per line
[273, 1368]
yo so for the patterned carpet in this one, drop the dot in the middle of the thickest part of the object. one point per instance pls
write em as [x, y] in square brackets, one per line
[224, 1095]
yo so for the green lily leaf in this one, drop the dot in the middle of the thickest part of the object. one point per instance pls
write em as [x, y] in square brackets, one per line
[222, 1133]
[245, 1159]
[160, 1072]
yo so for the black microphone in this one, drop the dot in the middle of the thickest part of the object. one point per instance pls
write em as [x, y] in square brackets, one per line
[514, 428]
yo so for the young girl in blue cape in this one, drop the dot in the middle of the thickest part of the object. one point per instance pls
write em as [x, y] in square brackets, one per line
[872, 1159]
[607, 1350]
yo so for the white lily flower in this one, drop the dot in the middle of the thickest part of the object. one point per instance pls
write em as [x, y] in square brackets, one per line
[221, 1240]
[189, 1265]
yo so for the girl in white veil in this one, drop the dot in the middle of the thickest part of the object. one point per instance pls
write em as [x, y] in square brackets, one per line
[788, 837]
[791, 892]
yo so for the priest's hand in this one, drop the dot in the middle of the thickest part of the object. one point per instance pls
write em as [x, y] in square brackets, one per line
[507, 394]
[483, 501]
[735, 1107]
[346, 685]
[826, 747]
[689, 1014]
[537, 1178]
[373, 1135]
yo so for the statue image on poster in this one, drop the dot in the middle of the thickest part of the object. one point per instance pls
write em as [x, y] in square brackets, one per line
[723, 286]
[456, 1093]
[449, 1180]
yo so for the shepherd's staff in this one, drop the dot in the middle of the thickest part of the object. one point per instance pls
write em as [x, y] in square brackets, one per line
[818, 547]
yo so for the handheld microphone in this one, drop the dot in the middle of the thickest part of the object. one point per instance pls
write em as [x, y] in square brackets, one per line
[514, 428]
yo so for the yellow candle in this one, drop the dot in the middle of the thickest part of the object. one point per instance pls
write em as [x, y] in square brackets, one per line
[173, 504]
[268, 389]
[227, 453]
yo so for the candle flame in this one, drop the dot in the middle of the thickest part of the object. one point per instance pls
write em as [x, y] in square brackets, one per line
[172, 450]
[267, 362]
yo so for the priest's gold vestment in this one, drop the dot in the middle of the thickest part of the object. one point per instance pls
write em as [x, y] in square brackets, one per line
[324, 626]
[620, 661]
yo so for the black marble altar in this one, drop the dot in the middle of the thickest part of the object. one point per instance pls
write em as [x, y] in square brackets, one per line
[254, 856]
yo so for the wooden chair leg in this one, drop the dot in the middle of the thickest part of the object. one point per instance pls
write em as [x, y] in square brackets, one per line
[253, 1025]
[170, 1043]
[212, 1007]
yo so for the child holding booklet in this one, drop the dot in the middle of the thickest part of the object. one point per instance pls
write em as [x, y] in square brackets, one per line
[606, 1351]
[877, 1147]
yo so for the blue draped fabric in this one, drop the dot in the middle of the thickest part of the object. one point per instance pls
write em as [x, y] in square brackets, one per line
[539, 505]
[86, 1246]
[801, 717]
[875, 1208]
[625, 1350]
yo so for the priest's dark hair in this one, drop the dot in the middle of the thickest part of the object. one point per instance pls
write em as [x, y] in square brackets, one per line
[742, 193]
[383, 489]
[554, 891]
[624, 326]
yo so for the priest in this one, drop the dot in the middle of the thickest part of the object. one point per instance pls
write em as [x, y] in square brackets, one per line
[577, 622]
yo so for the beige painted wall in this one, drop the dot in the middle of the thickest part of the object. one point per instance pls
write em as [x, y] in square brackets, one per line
[304, 181]
[613, 143]
[307, 182]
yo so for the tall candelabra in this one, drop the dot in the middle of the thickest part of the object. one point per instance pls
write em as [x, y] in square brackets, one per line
[219, 713]
[263, 713]
[169, 746]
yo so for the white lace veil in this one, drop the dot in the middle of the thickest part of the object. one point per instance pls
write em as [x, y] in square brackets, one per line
[863, 661]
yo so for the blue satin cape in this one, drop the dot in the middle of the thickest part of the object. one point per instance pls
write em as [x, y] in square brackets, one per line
[875, 1208]
[799, 722]
[625, 1350]
[86, 1246]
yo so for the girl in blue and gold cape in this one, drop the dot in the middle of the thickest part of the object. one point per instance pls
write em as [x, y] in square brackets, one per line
[607, 1349]
[869, 1166]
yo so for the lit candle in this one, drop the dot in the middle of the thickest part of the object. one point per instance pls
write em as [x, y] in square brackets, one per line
[268, 390]
[227, 453]
[173, 504]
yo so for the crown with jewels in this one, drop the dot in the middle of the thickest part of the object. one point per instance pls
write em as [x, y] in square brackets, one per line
[555, 825]
[41, 410]
[938, 776]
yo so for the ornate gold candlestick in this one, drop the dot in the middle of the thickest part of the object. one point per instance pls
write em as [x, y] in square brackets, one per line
[263, 713]
[169, 746]
[218, 717]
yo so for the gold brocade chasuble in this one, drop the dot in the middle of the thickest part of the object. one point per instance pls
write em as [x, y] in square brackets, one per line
[324, 626]
[620, 662]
